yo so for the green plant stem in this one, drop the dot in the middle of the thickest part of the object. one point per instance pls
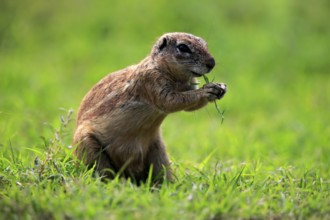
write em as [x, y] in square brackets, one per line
[215, 102]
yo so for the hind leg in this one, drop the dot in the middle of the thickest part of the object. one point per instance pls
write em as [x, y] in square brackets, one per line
[158, 158]
[104, 166]
[91, 152]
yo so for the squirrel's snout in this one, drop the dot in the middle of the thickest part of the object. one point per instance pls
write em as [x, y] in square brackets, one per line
[210, 63]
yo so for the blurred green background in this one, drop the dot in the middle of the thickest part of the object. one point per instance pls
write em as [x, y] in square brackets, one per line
[273, 55]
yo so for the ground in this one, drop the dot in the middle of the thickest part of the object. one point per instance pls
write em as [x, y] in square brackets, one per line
[267, 160]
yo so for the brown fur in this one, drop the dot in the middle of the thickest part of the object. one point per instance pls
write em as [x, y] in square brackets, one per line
[118, 123]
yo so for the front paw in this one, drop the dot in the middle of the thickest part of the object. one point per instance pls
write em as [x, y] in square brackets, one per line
[215, 90]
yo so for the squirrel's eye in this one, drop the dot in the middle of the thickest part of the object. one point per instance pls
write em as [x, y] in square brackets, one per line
[183, 48]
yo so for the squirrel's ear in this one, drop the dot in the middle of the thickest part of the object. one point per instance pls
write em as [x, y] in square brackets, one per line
[162, 43]
[159, 46]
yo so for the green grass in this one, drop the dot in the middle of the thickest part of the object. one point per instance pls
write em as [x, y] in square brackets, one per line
[269, 159]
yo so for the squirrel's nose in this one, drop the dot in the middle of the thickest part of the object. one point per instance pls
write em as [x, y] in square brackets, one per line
[210, 63]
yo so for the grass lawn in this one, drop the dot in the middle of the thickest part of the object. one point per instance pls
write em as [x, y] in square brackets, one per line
[269, 159]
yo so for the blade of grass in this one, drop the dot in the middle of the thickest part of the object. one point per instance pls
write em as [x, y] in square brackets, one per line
[206, 160]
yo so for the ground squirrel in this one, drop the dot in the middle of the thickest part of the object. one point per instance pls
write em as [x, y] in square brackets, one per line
[118, 122]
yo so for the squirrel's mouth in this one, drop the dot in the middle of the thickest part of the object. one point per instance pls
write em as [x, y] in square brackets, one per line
[196, 74]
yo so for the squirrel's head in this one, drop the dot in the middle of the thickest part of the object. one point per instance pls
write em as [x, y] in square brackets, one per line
[183, 54]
